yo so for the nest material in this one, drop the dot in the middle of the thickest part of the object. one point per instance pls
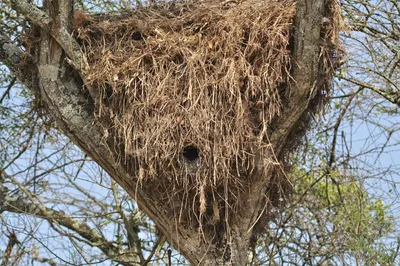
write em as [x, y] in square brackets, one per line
[188, 91]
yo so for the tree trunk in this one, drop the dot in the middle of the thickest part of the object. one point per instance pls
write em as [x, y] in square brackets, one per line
[66, 100]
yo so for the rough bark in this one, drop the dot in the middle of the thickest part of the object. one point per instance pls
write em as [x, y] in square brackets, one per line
[67, 102]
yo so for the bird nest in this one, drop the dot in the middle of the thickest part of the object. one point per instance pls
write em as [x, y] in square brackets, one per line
[187, 94]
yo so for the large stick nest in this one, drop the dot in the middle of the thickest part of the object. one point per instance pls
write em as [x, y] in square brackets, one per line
[188, 92]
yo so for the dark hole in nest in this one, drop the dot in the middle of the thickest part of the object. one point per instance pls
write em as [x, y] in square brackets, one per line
[137, 36]
[191, 153]
[178, 59]
[107, 94]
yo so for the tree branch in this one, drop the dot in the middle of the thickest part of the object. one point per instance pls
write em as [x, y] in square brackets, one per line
[7, 253]
[20, 63]
[391, 96]
[31, 12]
[306, 54]
[132, 230]
[160, 240]
[55, 24]
[20, 205]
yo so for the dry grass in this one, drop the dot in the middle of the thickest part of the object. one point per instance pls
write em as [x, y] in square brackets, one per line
[207, 76]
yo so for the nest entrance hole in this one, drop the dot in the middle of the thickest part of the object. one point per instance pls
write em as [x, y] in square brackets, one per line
[191, 153]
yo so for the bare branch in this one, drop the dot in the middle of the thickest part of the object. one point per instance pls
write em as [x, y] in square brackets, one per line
[44, 260]
[7, 253]
[31, 12]
[388, 95]
[20, 205]
[20, 63]
[160, 240]
[56, 25]
[130, 227]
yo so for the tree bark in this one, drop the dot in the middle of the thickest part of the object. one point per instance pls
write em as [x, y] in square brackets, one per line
[66, 101]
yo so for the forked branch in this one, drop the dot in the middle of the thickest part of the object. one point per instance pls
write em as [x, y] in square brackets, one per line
[56, 24]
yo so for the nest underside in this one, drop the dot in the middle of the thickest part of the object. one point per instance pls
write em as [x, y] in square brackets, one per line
[188, 94]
